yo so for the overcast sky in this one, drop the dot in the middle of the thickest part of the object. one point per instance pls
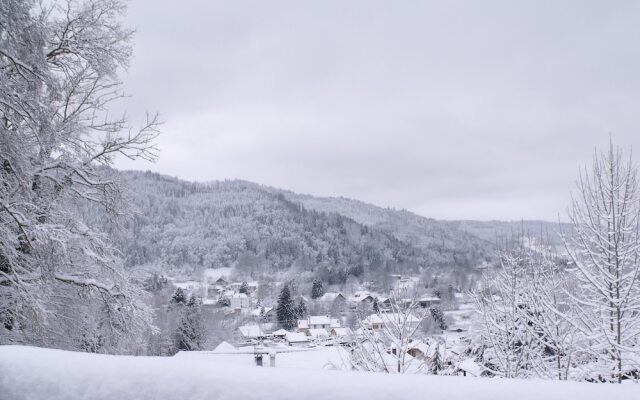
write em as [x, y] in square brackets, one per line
[453, 110]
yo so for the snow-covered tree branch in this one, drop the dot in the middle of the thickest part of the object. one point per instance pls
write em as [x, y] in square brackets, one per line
[61, 282]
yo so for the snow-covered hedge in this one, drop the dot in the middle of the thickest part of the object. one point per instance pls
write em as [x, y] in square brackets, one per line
[34, 374]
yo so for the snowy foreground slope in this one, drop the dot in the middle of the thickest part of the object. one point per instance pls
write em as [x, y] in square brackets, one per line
[34, 373]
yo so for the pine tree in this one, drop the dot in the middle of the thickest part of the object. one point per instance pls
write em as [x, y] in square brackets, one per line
[376, 306]
[190, 334]
[317, 290]
[438, 316]
[285, 311]
[244, 288]
[436, 364]
[301, 310]
[179, 297]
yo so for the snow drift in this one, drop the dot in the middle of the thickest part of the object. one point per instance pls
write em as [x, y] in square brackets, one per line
[35, 373]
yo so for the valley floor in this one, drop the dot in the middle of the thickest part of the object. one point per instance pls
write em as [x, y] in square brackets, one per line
[35, 373]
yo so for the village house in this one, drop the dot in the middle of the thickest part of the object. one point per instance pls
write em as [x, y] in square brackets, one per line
[331, 297]
[249, 332]
[341, 332]
[240, 301]
[315, 322]
[280, 334]
[428, 301]
[296, 339]
[373, 322]
[220, 282]
[264, 314]
[378, 321]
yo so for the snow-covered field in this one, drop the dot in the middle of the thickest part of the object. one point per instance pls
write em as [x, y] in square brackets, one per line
[29, 373]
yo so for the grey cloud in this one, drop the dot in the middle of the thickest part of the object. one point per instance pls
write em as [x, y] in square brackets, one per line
[450, 109]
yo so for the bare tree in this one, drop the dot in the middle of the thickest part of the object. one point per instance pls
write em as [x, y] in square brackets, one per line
[501, 302]
[605, 215]
[387, 336]
[61, 282]
[552, 314]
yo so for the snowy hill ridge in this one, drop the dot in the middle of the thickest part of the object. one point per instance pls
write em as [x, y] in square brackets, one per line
[189, 226]
[30, 373]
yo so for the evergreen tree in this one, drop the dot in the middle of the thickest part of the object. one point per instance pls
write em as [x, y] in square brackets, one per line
[244, 288]
[438, 317]
[179, 297]
[301, 310]
[376, 306]
[285, 311]
[436, 364]
[317, 289]
[190, 334]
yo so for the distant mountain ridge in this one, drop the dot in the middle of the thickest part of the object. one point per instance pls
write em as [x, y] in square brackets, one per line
[262, 231]
[415, 228]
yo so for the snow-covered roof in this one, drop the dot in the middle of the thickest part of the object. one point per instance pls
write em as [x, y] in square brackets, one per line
[296, 337]
[251, 331]
[421, 346]
[372, 319]
[280, 332]
[319, 320]
[330, 296]
[213, 274]
[258, 311]
[224, 347]
[187, 285]
[385, 318]
[342, 331]
[471, 367]
[335, 323]
[428, 348]
[239, 296]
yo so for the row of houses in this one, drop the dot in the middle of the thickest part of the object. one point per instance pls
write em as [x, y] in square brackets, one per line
[313, 329]
[319, 328]
[363, 297]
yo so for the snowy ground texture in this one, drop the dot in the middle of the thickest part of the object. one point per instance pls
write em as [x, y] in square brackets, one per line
[34, 374]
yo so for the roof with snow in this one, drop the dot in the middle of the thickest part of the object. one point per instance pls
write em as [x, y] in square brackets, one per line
[331, 296]
[280, 332]
[372, 319]
[319, 320]
[225, 347]
[394, 318]
[318, 333]
[214, 274]
[258, 311]
[471, 367]
[296, 337]
[342, 331]
[251, 331]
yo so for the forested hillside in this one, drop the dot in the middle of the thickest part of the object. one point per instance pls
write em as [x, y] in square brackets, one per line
[183, 227]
